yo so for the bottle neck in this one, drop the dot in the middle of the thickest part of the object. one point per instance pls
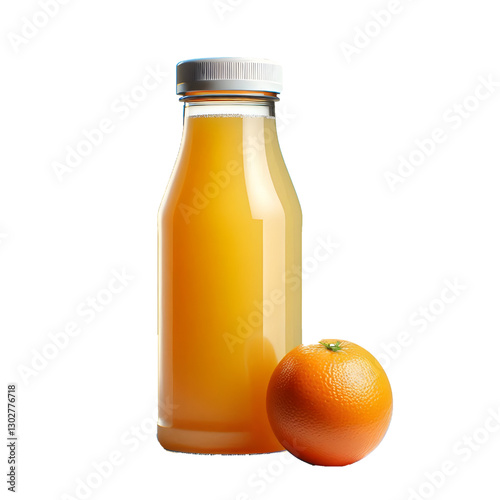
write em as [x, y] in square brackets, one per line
[244, 123]
[229, 103]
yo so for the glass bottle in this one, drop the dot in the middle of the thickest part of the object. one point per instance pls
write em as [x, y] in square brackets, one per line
[229, 245]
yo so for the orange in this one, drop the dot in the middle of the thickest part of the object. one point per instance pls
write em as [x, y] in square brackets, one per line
[329, 403]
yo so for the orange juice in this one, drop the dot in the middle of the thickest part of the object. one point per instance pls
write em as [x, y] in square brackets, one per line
[229, 230]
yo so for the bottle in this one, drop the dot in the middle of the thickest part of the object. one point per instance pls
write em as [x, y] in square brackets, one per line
[229, 260]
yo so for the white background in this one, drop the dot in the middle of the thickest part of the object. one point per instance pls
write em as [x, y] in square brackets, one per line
[345, 120]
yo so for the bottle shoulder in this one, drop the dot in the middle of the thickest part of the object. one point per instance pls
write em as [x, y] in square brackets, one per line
[233, 168]
[233, 189]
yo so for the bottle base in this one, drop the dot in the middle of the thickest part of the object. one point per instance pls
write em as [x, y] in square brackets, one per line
[215, 443]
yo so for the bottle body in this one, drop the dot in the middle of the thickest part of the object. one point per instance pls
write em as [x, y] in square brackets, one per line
[229, 230]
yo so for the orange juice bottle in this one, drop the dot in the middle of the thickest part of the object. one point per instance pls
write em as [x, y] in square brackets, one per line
[229, 237]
